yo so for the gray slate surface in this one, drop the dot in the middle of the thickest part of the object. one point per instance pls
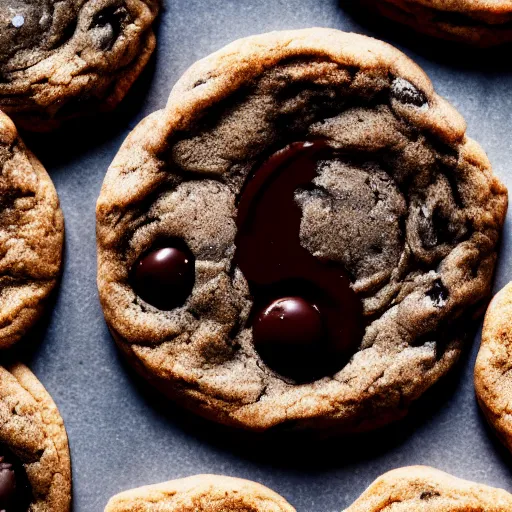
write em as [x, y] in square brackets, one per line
[122, 434]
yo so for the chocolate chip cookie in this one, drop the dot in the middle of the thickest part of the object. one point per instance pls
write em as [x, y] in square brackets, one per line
[31, 236]
[493, 382]
[424, 489]
[35, 472]
[201, 493]
[481, 23]
[64, 58]
[300, 237]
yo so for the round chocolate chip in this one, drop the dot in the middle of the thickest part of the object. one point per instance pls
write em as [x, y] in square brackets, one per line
[164, 277]
[290, 336]
[289, 321]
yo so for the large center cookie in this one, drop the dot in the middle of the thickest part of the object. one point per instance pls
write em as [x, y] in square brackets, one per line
[300, 236]
[63, 58]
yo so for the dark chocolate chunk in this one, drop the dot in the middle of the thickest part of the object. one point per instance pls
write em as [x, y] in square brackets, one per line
[438, 293]
[404, 92]
[277, 268]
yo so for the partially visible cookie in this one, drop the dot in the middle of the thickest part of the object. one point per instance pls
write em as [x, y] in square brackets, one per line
[424, 489]
[64, 58]
[31, 236]
[201, 493]
[481, 23]
[35, 468]
[493, 375]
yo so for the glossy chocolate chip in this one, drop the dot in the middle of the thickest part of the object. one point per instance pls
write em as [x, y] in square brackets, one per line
[292, 338]
[404, 92]
[322, 316]
[289, 321]
[164, 277]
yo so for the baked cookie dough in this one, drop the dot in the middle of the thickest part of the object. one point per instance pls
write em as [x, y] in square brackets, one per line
[35, 472]
[493, 382]
[31, 236]
[64, 58]
[482, 23]
[424, 489]
[334, 149]
[201, 493]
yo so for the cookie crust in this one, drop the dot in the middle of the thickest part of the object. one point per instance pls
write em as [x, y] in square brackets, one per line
[179, 172]
[493, 382]
[32, 428]
[208, 493]
[425, 489]
[31, 236]
[484, 23]
[63, 59]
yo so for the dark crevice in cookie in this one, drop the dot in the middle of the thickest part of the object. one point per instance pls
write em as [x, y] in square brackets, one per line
[67, 33]
[427, 495]
[8, 198]
[454, 189]
[438, 294]
[109, 24]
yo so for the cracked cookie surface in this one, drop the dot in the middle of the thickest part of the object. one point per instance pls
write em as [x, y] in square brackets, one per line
[31, 236]
[406, 203]
[64, 58]
[493, 380]
[482, 23]
[201, 493]
[424, 489]
[33, 432]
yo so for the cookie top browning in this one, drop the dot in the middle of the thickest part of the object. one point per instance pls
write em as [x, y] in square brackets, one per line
[407, 204]
[493, 382]
[201, 493]
[32, 429]
[31, 236]
[63, 58]
[424, 489]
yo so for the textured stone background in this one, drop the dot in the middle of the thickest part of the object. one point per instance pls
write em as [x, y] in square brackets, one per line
[122, 434]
